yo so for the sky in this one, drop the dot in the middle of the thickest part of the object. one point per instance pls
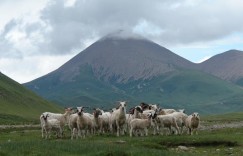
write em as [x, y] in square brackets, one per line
[37, 37]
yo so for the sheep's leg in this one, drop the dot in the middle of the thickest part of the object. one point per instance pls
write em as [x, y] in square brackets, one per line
[190, 131]
[146, 131]
[42, 132]
[131, 132]
[177, 130]
[118, 128]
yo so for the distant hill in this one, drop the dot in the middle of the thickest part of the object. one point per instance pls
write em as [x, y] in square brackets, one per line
[136, 69]
[227, 66]
[18, 104]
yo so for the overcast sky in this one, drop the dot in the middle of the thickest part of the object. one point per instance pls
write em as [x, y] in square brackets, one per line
[36, 37]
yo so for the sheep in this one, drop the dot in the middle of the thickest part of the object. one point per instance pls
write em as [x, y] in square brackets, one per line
[118, 118]
[141, 124]
[192, 123]
[146, 106]
[80, 123]
[134, 112]
[63, 118]
[180, 120]
[168, 121]
[50, 124]
[73, 126]
[101, 119]
[85, 122]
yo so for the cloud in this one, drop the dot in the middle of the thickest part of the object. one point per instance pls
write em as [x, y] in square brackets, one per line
[31, 67]
[65, 27]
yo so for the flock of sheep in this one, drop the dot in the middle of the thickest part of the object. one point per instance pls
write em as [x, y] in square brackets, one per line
[136, 122]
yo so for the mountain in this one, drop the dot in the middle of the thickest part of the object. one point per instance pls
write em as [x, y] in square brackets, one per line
[19, 104]
[120, 67]
[227, 66]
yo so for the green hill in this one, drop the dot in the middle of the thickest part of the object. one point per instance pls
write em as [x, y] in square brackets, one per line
[18, 104]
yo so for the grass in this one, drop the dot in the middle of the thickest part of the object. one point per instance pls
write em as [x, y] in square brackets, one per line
[19, 105]
[29, 142]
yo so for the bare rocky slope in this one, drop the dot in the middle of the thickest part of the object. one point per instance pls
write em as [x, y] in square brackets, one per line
[227, 66]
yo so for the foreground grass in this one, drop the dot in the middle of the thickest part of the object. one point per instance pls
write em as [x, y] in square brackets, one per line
[29, 142]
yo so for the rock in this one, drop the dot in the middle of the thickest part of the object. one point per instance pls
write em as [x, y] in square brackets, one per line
[183, 148]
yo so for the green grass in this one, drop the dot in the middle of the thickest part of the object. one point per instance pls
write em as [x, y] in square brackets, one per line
[236, 116]
[29, 142]
[20, 105]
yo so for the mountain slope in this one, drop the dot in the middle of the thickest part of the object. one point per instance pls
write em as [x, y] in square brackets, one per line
[227, 66]
[20, 104]
[136, 69]
[124, 59]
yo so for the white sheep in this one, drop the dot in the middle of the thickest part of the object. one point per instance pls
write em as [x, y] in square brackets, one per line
[180, 120]
[63, 118]
[81, 123]
[167, 121]
[50, 124]
[192, 123]
[118, 118]
[141, 124]
[101, 120]
[73, 125]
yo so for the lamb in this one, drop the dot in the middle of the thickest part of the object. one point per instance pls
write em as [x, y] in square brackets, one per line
[141, 124]
[63, 118]
[118, 118]
[50, 124]
[192, 123]
[168, 121]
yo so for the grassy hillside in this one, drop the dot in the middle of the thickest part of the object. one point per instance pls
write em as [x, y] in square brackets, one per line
[192, 90]
[18, 104]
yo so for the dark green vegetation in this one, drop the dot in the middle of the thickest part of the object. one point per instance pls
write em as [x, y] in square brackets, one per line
[29, 142]
[20, 105]
[189, 89]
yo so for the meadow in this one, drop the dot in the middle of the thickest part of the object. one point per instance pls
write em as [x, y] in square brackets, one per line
[22, 141]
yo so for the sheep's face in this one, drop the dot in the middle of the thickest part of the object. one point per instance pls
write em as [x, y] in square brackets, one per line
[144, 105]
[139, 109]
[45, 116]
[122, 105]
[195, 115]
[80, 110]
[97, 112]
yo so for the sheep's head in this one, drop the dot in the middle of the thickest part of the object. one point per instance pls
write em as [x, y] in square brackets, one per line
[144, 105]
[195, 115]
[80, 110]
[139, 109]
[122, 105]
[97, 112]
[45, 116]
